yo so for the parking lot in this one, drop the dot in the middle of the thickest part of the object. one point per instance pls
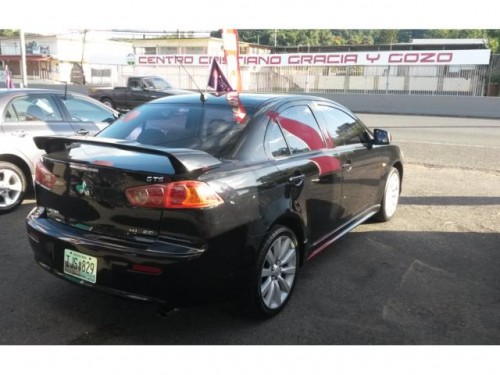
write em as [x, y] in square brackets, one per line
[430, 276]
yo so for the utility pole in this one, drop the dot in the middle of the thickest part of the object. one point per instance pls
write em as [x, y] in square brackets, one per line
[83, 46]
[83, 54]
[24, 76]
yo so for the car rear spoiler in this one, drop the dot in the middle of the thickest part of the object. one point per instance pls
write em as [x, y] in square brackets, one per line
[181, 158]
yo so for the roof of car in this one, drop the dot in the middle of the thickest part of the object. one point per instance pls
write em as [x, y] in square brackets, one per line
[7, 94]
[35, 90]
[247, 99]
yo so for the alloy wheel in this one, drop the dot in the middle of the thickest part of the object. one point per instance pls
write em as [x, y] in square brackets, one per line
[278, 272]
[392, 194]
[11, 188]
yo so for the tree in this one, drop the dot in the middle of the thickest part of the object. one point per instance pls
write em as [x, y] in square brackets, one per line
[323, 37]
[9, 32]
[387, 37]
[255, 36]
[494, 40]
[456, 34]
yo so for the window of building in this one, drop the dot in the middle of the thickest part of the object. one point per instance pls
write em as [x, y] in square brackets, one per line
[167, 50]
[196, 50]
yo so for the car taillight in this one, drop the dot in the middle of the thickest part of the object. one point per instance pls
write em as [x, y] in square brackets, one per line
[180, 194]
[44, 177]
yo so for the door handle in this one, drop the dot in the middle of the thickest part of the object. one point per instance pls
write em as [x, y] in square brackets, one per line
[347, 166]
[19, 133]
[297, 180]
[82, 132]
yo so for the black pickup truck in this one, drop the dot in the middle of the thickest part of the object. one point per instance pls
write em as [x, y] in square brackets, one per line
[139, 89]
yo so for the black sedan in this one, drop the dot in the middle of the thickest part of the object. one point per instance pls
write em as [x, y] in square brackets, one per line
[187, 197]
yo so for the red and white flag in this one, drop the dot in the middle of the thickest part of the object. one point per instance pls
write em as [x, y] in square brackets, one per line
[232, 55]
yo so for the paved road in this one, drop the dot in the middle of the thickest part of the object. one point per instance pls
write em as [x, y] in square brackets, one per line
[430, 276]
[444, 141]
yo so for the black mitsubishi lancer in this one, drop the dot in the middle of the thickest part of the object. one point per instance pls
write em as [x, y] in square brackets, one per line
[188, 196]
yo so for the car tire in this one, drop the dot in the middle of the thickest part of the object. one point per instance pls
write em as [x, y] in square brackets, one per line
[108, 102]
[390, 198]
[13, 187]
[274, 275]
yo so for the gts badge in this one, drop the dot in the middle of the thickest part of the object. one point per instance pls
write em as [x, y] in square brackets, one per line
[154, 179]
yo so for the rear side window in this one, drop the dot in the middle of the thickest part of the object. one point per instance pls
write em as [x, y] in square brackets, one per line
[210, 128]
[275, 141]
[32, 108]
[301, 129]
[135, 83]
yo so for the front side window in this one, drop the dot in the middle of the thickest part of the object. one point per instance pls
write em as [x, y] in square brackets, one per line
[32, 108]
[341, 129]
[301, 129]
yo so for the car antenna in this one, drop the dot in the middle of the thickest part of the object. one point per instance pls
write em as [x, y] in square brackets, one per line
[202, 94]
[65, 90]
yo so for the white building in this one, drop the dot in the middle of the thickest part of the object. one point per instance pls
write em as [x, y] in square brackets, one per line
[99, 57]
[55, 57]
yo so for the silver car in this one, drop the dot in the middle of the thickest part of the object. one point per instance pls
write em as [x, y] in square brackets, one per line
[25, 113]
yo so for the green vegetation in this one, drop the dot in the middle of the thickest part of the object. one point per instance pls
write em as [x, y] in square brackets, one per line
[9, 32]
[495, 76]
[323, 37]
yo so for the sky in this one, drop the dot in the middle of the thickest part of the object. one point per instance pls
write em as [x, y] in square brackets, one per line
[60, 15]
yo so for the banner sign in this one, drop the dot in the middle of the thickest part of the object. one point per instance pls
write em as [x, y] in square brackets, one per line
[371, 58]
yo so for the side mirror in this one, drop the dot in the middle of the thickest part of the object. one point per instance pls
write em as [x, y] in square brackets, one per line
[381, 137]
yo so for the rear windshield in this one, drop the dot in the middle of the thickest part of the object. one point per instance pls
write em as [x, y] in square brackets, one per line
[212, 129]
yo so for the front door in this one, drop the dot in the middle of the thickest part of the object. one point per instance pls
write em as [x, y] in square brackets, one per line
[361, 171]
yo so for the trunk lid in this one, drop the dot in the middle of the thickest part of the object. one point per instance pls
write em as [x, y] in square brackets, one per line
[91, 177]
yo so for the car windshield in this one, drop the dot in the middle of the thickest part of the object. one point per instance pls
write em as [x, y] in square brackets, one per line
[157, 83]
[212, 129]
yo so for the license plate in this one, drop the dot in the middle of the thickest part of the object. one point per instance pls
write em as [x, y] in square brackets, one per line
[80, 265]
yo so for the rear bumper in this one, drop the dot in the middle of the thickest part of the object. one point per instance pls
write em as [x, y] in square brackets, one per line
[187, 274]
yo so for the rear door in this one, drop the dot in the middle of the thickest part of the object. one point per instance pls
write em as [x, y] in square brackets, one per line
[313, 176]
[30, 115]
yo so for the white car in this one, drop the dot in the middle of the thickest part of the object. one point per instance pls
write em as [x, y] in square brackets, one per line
[25, 113]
